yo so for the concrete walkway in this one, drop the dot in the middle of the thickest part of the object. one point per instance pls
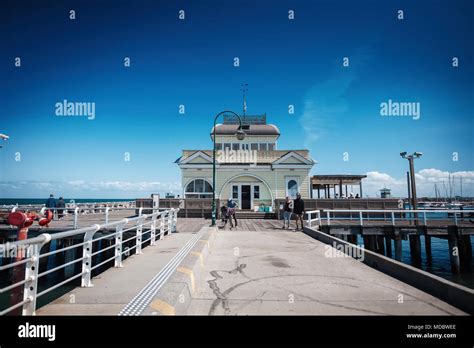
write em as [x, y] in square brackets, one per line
[284, 273]
[116, 287]
[268, 271]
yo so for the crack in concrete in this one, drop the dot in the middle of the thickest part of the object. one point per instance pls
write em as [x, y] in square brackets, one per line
[224, 295]
[220, 296]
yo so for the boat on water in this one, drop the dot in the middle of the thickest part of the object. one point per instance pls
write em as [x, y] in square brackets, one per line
[433, 205]
[444, 205]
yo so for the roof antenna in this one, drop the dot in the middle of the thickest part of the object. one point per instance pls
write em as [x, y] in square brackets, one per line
[245, 89]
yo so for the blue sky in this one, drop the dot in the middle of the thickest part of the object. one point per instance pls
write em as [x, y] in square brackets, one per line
[190, 62]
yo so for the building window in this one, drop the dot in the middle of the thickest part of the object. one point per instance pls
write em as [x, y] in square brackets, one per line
[198, 188]
[254, 146]
[235, 192]
[256, 192]
[271, 147]
[235, 146]
[226, 146]
[218, 146]
[291, 188]
[245, 146]
[263, 147]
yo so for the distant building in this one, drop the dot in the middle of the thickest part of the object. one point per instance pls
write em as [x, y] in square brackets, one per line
[385, 193]
[252, 171]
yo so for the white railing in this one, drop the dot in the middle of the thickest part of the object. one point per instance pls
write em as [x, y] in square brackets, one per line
[311, 220]
[420, 215]
[154, 226]
[96, 214]
[72, 205]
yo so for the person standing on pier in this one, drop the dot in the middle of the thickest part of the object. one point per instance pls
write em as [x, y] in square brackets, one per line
[61, 204]
[231, 206]
[287, 209]
[51, 202]
[298, 210]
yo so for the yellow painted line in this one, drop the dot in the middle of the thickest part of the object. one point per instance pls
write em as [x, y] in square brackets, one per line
[162, 307]
[198, 254]
[190, 273]
[205, 241]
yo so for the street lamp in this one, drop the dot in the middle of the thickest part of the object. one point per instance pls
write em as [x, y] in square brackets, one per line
[415, 243]
[4, 137]
[410, 159]
[240, 135]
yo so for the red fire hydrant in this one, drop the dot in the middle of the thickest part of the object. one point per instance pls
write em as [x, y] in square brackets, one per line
[23, 221]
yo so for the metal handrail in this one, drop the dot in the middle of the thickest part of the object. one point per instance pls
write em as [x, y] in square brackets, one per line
[102, 213]
[161, 223]
[401, 210]
[318, 218]
[457, 215]
[69, 204]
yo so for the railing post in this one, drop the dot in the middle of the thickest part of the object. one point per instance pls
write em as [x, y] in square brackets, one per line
[328, 217]
[361, 220]
[424, 218]
[319, 217]
[118, 243]
[87, 258]
[455, 218]
[309, 219]
[30, 288]
[76, 211]
[107, 215]
[138, 249]
[172, 220]
[175, 220]
[169, 221]
[162, 225]
[153, 230]
[393, 218]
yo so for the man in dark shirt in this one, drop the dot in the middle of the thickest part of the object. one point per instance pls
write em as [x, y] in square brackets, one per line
[298, 210]
[60, 204]
[51, 202]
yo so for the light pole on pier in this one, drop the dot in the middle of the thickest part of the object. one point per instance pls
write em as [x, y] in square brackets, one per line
[240, 135]
[3, 137]
[415, 243]
[410, 159]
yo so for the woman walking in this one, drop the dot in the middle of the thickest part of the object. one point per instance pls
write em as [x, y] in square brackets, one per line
[287, 209]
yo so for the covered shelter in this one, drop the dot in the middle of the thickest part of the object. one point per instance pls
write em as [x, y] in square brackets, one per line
[336, 183]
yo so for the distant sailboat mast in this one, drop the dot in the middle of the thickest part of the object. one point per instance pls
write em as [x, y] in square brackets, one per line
[450, 187]
[445, 190]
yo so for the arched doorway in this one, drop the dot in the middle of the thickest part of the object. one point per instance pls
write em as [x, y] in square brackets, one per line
[248, 190]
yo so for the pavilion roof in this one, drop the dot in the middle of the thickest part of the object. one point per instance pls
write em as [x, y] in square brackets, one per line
[337, 179]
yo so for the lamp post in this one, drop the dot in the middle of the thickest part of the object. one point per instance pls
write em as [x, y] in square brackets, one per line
[240, 135]
[410, 159]
[4, 137]
[415, 243]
